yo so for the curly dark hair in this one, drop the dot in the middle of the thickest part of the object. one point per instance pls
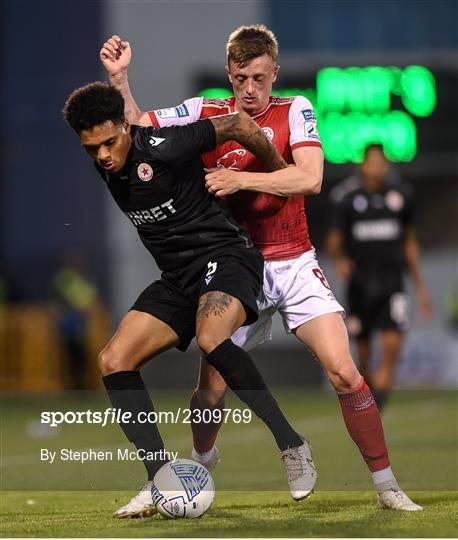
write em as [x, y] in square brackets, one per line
[92, 105]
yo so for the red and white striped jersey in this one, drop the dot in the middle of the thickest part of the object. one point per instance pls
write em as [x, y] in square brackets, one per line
[277, 225]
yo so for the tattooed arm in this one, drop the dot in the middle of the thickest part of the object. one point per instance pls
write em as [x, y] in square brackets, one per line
[241, 128]
[283, 181]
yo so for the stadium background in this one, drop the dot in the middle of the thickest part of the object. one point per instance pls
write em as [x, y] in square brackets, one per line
[51, 201]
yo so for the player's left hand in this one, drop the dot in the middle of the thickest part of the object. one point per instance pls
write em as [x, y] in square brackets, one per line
[221, 182]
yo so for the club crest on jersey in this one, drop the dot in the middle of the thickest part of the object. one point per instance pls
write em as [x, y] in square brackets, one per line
[269, 132]
[394, 200]
[145, 172]
[230, 160]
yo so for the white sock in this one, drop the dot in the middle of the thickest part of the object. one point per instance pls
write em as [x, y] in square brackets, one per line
[204, 455]
[384, 480]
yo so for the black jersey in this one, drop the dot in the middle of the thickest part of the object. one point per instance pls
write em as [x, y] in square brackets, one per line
[373, 225]
[161, 189]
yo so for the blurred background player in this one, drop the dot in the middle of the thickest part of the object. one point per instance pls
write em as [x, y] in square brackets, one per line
[372, 241]
[271, 207]
[74, 298]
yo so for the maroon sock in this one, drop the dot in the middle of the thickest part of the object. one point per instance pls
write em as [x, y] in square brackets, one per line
[204, 434]
[364, 425]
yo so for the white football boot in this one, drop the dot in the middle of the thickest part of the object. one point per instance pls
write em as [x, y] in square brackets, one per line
[300, 471]
[396, 499]
[139, 506]
[209, 460]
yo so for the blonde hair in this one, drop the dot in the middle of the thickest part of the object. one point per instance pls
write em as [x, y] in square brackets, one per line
[250, 41]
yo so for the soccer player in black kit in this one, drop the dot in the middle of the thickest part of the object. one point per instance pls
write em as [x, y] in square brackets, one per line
[372, 240]
[211, 273]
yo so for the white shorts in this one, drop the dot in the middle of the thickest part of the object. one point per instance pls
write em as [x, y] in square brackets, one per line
[298, 290]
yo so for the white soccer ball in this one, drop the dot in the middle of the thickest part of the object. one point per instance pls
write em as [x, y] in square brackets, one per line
[183, 489]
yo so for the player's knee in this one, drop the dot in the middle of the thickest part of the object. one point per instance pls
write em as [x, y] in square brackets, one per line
[343, 375]
[208, 341]
[109, 361]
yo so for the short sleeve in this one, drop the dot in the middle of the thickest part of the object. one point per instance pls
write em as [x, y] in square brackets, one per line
[189, 111]
[302, 124]
[178, 144]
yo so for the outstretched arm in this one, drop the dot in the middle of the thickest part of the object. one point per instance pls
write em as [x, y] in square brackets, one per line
[241, 128]
[115, 56]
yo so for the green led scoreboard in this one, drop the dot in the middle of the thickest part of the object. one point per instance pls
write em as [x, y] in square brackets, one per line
[407, 109]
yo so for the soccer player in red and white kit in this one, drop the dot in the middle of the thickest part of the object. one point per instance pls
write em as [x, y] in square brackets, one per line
[270, 205]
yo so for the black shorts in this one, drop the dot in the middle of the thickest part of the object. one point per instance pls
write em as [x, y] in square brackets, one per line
[174, 298]
[377, 302]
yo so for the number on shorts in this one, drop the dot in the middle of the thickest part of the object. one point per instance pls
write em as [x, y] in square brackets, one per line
[319, 274]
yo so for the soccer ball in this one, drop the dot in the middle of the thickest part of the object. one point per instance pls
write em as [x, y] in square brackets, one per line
[183, 489]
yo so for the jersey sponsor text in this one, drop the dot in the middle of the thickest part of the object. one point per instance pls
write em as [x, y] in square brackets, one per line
[382, 229]
[157, 213]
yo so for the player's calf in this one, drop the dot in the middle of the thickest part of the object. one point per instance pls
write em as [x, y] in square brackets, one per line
[242, 376]
[204, 433]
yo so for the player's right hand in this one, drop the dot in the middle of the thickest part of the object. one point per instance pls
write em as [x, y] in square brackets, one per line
[115, 55]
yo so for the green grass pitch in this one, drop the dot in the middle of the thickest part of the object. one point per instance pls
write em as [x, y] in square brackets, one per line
[73, 499]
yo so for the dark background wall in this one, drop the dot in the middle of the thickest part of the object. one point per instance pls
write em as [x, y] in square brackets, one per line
[47, 50]
[364, 25]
